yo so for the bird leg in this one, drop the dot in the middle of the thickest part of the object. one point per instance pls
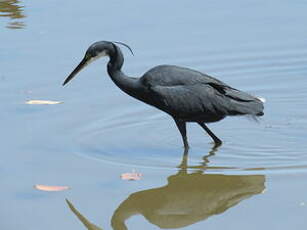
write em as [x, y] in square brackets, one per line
[181, 125]
[184, 162]
[217, 141]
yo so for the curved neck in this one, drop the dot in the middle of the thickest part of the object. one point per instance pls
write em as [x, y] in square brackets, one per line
[127, 84]
[116, 59]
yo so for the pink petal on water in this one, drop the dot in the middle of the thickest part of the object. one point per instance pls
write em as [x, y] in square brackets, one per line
[49, 188]
[131, 176]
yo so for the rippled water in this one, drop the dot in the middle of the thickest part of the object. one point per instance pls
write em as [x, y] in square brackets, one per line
[277, 141]
[259, 172]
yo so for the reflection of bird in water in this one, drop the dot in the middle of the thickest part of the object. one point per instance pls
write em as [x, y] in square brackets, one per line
[185, 94]
[12, 9]
[83, 219]
[186, 199]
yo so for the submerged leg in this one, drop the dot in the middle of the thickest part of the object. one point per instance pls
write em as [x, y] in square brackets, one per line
[184, 162]
[211, 153]
[181, 125]
[217, 141]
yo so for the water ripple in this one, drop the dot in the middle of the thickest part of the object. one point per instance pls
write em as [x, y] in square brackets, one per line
[144, 137]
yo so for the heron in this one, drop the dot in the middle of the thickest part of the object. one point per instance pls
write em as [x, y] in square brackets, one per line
[185, 94]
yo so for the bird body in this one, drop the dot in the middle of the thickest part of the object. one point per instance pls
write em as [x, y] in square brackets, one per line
[192, 96]
[185, 94]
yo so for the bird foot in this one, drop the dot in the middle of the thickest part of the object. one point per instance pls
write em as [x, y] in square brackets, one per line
[217, 143]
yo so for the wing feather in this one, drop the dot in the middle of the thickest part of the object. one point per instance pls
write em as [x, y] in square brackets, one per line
[204, 102]
[192, 95]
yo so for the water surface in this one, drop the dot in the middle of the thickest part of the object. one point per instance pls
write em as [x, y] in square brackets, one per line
[256, 179]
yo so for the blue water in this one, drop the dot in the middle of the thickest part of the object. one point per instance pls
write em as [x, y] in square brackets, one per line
[99, 132]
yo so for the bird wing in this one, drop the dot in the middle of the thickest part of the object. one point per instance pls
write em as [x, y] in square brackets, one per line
[170, 75]
[193, 95]
[205, 100]
[189, 100]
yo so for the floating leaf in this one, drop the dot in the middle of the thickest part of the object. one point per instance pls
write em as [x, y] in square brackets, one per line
[49, 188]
[43, 102]
[131, 176]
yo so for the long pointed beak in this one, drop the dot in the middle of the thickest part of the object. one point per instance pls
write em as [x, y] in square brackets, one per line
[81, 65]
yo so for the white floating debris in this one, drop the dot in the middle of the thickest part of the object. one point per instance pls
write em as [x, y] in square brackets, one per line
[302, 204]
[43, 102]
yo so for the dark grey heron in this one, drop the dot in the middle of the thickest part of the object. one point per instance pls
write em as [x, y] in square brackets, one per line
[185, 94]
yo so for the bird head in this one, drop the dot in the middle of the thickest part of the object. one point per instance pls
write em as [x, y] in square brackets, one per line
[95, 51]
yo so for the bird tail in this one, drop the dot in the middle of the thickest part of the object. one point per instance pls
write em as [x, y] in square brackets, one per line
[253, 108]
[245, 104]
[262, 99]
